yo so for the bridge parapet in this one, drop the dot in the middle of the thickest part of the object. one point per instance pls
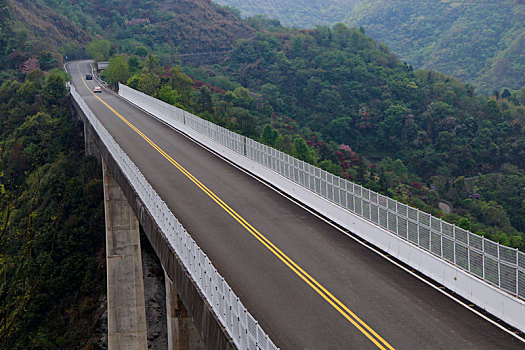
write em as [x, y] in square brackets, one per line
[486, 273]
[240, 325]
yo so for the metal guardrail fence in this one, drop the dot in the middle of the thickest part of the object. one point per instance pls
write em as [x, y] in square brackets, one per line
[496, 264]
[239, 323]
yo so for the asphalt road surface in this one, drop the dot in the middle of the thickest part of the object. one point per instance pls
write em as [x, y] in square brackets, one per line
[375, 304]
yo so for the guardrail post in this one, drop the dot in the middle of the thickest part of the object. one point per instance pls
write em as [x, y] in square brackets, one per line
[468, 251]
[483, 258]
[441, 236]
[499, 266]
[430, 236]
[517, 272]
[454, 242]
[417, 213]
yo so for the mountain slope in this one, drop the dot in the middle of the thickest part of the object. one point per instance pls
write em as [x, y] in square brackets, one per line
[46, 24]
[30, 30]
[304, 14]
[477, 41]
[480, 42]
[163, 25]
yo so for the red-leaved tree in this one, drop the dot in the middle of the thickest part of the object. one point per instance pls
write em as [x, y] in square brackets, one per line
[29, 65]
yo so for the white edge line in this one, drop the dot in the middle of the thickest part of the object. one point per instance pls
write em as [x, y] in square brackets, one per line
[313, 212]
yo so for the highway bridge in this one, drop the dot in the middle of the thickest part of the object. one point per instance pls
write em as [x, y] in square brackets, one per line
[309, 283]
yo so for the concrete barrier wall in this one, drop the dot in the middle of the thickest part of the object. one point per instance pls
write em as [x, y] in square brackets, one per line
[495, 301]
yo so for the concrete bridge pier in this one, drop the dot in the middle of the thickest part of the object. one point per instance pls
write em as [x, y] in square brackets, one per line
[126, 305]
[177, 317]
[89, 144]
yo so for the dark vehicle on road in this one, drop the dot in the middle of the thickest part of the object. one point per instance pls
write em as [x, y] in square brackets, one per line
[89, 77]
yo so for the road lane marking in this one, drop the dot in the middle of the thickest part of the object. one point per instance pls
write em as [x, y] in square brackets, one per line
[322, 291]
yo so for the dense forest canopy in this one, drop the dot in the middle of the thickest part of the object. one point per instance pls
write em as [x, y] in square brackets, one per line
[51, 219]
[343, 88]
[51, 209]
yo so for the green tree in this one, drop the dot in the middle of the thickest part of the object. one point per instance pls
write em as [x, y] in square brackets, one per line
[26, 92]
[99, 49]
[5, 25]
[48, 60]
[117, 71]
[148, 83]
[284, 144]
[303, 152]
[141, 51]
[151, 63]
[36, 76]
[464, 223]
[71, 50]
[168, 95]
[180, 81]
[134, 64]
[204, 100]
[331, 167]
[269, 135]
[134, 81]
[245, 120]
[494, 214]
[55, 88]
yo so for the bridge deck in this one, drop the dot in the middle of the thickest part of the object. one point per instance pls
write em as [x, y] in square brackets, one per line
[402, 310]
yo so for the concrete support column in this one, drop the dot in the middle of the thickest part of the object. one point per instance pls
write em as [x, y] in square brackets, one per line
[89, 144]
[178, 320]
[126, 305]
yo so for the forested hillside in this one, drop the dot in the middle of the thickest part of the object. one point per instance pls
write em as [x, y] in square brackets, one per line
[302, 14]
[339, 87]
[44, 22]
[51, 211]
[482, 42]
[33, 34]
[166, 26]
[52, 220]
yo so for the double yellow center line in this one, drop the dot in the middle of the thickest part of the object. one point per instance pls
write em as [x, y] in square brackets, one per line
[322, 291]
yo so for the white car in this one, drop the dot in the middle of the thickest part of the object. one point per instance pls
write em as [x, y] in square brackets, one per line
[97, 89]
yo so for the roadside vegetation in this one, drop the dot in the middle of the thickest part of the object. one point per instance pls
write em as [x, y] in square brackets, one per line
[51, 209]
